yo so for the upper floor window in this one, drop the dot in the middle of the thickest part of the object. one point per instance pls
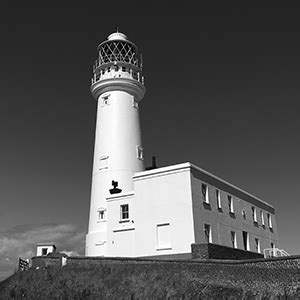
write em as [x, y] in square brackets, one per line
[218, 195]
[269, 218]
[262, 218]
[124, 212]
[244, 214]
[207, 233]
[254, 216]
[230, 204]
[204, 190]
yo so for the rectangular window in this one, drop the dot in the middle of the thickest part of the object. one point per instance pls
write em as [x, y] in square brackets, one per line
[269, 220]
[105, 99]
[204, 190]
[246, 241]
[135, 103]
[233, 239]
[44, 251]
[230, 204]
[218, 195]
[101, 214]
[124, 212]
[257, 245]
[139, 153]
[262, 218]
[163, 235]
[207, 233]
[254, 216]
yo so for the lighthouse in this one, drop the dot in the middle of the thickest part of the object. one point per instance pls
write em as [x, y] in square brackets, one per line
[118, 87]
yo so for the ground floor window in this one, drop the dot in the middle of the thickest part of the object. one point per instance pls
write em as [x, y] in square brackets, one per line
[163, 235]
[207, 233]
[246, 241]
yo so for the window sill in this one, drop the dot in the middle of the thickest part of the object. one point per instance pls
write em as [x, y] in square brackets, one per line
[206, 205]
[163, 248]
[124, 221]
[101, 221]
[232, 214]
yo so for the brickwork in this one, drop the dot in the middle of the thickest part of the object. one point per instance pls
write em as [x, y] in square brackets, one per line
[213, 251]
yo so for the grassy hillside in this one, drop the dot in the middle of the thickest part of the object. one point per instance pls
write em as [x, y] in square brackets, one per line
[129, 281]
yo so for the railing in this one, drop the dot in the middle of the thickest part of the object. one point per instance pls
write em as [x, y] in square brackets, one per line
[275, 252]
[99, 62]
[110, 72]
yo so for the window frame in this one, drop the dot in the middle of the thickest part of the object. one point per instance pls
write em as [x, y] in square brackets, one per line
[254, 214]
[139, 152]
[122, 212]
[218, 196]
[234, 240]
[205, 196]
[262, 218]
[269, 219]
[257, 245]
[208, 238]
[230, 204]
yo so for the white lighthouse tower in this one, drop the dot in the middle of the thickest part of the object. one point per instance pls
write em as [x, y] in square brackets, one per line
[118, 87]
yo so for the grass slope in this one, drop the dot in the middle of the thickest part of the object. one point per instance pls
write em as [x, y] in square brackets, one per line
[127, 281]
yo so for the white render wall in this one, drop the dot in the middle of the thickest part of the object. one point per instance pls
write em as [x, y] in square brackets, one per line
[167, 206]
[115, 158]
[39, 248]
[163, 196]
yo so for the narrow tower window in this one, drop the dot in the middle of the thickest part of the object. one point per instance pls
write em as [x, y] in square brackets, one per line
[139, 152]
[101, 214]
[135, 104]
[204, 190]
[105, 100]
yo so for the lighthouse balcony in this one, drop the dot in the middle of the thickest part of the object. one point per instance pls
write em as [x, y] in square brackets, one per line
[118, 72]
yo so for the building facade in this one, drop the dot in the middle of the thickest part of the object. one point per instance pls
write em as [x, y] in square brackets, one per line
[162, 211]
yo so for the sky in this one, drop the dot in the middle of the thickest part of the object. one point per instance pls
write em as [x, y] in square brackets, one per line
[222, 92]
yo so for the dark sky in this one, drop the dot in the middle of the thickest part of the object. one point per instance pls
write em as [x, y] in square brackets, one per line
[222, 92]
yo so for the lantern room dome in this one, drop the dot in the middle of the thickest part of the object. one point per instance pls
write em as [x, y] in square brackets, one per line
[117, 36]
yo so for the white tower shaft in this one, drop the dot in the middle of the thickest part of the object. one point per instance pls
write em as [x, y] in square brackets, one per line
[118, 87]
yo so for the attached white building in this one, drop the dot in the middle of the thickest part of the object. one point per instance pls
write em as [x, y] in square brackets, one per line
[161, 211]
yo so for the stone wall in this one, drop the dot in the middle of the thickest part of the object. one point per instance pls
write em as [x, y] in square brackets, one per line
[45, 261]
[213, 251]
